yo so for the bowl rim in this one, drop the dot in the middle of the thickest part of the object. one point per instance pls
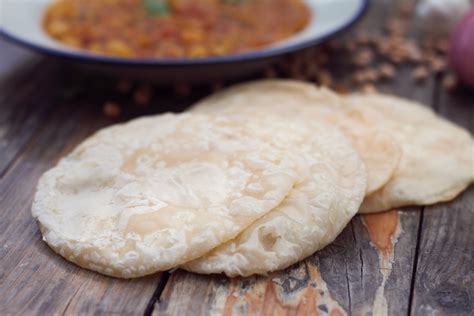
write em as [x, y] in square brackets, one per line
[258, 54]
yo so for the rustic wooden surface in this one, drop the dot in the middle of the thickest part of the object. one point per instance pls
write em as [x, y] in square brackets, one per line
[411, 261]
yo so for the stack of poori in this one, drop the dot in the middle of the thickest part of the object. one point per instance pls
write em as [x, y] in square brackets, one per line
[253, 179]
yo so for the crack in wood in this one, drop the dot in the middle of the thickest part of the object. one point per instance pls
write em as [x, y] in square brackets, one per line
[348, 292]
[430, 260]
[70, 301]
[415, 262]
[157, 294]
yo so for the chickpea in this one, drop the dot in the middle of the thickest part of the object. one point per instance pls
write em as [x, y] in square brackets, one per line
[118, 48]
[58, 28]
[197, 51]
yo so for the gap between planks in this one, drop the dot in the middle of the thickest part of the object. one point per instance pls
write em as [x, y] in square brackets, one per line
[407, 92]
[435, 99]
[415, 261]
[157, 294]
[448, 292]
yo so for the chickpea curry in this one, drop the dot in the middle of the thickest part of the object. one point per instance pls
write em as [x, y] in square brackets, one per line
[173, 28]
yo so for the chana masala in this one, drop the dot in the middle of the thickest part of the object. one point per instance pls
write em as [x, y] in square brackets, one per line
[174, 28]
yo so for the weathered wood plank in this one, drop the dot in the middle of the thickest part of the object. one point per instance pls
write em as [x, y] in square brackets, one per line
[298, 290]
[25, 82]
[444, 280]
[14, 59]
[369, 264]
[457, 107]
[368, 269]
[362, 266]
[35, 280]
[377, 274]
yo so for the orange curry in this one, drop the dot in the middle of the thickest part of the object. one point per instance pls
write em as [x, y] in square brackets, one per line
[173, 28]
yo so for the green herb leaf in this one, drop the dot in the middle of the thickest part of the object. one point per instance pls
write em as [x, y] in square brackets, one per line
[234, 2]
[156, 7]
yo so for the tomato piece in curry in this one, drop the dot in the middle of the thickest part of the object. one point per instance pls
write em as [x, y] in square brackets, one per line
[173, 28]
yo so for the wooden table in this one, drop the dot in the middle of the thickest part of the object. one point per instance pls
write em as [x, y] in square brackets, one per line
[416, 260]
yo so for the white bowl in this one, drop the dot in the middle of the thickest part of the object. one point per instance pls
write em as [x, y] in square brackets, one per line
[20, 22]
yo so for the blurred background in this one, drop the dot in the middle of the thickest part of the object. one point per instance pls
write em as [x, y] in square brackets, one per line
[396, 45]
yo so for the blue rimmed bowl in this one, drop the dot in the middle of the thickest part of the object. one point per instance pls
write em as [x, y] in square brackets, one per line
[21, 23]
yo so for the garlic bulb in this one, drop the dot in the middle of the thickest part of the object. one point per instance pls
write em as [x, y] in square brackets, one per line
[440, 16]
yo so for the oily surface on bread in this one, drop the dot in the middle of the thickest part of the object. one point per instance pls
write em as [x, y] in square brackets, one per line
[296, 100]
[310, 217]
[437, 160]
[156, 192]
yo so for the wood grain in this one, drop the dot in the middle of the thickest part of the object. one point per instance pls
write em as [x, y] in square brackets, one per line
[22, 75]
[369, 269]
[14, 60]
[358, 272]
[341, 278]
[385, 275]
[298, 290]
[35, 280]
[444, 280]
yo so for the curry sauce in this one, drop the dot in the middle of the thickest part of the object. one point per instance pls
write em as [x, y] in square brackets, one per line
[174, 28]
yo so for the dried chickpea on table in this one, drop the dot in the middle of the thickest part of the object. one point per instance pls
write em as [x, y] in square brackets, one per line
[173, 28]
